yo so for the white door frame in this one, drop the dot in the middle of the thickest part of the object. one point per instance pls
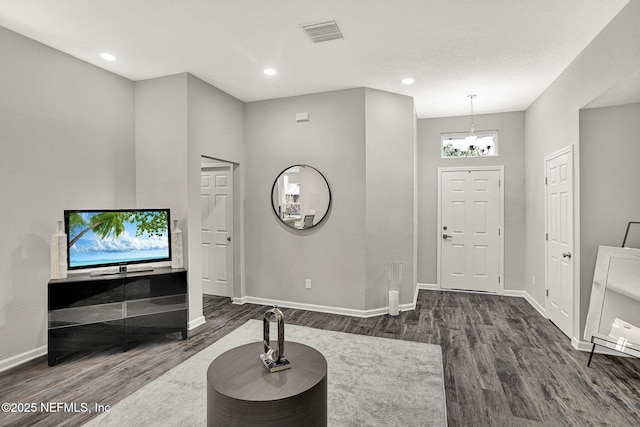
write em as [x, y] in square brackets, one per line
[500, 170]
[569, 149]
[220, 164]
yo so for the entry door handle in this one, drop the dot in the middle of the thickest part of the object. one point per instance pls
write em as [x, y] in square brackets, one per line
[446, 236]
[566, 254]
[228, 238]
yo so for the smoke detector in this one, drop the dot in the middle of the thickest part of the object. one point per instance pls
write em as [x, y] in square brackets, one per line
[323, 31]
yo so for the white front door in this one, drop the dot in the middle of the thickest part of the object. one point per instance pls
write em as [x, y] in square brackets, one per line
[216, 230]
[559, 238]
[470, 237]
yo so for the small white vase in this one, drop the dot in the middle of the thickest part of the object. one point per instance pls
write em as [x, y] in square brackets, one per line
[59, 253]
[176, 246]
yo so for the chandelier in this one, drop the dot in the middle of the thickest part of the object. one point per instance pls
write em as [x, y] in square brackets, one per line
[472, 149]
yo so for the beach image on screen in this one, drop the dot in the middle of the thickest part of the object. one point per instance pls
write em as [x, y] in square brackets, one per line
[100, 238]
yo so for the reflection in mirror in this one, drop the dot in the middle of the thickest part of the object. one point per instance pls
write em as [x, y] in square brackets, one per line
[301, 197]
[632, 236]
[613, 320]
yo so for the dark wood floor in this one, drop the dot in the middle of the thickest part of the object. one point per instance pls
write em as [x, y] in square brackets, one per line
[504, 364]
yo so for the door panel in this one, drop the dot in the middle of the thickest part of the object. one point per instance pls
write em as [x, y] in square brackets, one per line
[216, 230]
[480, 261]
[459, 222]
[206, 239]
[206, 256]
[458, 260]
[221, 263]
[470, 219]
[559, 217]
[480, 218]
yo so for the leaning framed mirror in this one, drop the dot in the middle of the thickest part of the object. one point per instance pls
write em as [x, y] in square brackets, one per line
[301, 197]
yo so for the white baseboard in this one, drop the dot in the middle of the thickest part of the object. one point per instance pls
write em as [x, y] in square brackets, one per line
[372, 312]
[582, 345]
[239, 300]
[411, 305]
[401, 307]
[513, 293]
[21, 358]
[535, 304]
[324, 308]
[196, 322]
[383, 310]
[311, 307]
[524, 294]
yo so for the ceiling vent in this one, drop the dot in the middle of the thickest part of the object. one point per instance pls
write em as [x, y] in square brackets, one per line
[323, 31]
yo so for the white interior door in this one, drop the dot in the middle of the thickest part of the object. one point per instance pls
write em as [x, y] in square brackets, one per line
[470, 225]
[216, 230]
[559, 238]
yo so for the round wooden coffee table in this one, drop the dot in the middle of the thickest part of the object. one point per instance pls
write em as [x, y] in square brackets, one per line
[240, 390]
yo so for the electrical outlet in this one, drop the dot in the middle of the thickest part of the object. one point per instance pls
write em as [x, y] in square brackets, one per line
[307, 283]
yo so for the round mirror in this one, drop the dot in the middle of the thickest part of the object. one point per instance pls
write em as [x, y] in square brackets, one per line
[301, 197]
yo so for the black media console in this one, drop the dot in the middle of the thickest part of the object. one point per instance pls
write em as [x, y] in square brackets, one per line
[88, 312]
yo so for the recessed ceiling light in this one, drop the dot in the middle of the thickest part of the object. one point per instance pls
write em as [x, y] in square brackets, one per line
[269, 71]
[107, 56]
[407, 81]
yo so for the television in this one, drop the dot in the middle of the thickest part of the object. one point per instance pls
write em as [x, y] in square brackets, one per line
[104, 238]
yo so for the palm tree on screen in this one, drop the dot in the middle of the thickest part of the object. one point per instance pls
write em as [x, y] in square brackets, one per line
[111, 224]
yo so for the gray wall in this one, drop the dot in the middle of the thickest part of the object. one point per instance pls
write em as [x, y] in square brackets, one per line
[66, 142]
[362, 140]
[161, 144]
[609, 179]
[216, 130]
[161, 158]
[279, 259]
[179, 119]
[389, 169]
[552, 123]
[510, 154]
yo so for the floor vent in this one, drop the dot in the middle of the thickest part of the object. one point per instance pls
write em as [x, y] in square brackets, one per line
[323, 31]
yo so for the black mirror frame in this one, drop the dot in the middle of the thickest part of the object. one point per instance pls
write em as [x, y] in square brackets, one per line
[273, 207]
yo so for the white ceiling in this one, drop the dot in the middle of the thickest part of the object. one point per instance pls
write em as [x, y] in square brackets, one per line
[626, 91]
[505, 51]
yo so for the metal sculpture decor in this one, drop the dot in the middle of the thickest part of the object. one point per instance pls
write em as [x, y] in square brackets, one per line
[273, 359]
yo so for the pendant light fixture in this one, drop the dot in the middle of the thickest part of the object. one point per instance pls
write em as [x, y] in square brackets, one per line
[471, 139]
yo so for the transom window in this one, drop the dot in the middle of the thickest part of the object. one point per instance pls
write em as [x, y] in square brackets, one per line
[480, 144]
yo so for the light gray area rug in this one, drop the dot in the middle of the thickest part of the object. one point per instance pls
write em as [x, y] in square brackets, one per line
[371, 382]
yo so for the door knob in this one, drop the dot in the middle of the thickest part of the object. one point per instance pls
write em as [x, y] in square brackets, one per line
[566, 254]
[446, 236]
[228, 238]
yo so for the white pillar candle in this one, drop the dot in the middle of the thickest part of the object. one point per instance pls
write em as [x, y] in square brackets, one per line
[393, 303]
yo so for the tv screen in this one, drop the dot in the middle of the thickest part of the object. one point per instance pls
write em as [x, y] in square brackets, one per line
[115, 237]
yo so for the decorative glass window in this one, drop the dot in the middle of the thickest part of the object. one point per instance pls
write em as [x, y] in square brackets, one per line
[480, 144]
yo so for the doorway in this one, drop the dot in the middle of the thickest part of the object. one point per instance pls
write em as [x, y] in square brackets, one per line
[558, 169]
[470, 224]
[216, 202]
